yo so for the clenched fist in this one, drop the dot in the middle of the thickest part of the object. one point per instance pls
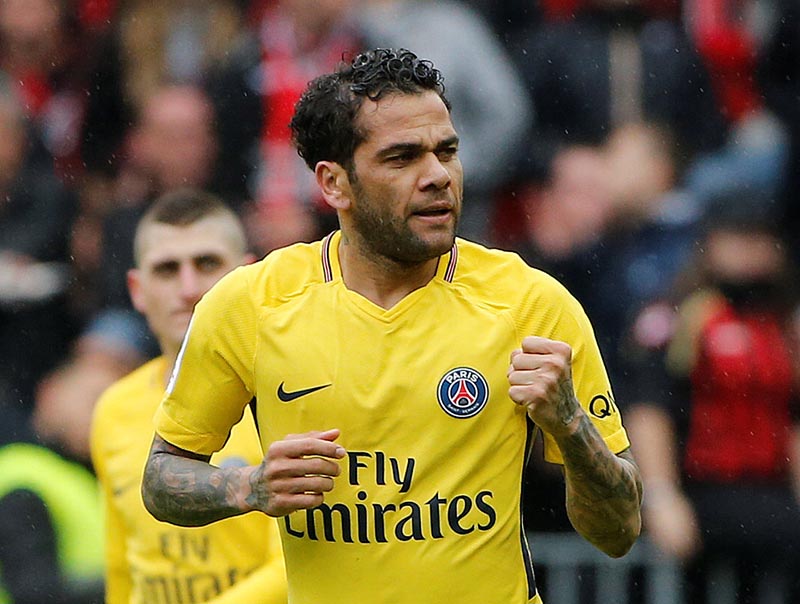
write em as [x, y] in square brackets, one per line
[540, 378]
[296, 472]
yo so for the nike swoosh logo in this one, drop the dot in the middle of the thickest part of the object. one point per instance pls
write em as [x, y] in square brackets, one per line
[288, 397]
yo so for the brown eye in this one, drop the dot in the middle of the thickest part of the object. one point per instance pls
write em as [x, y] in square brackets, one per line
[448, 153]
[208, 264]
[165, 269]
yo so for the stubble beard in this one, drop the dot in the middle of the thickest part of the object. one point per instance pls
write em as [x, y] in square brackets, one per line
[392, 238]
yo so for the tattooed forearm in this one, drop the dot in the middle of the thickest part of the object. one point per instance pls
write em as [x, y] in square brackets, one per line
[604, 491]
[184, 489]
[567, 403]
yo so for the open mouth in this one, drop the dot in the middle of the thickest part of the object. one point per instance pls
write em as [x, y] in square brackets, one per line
[435, 209]
[434, 212]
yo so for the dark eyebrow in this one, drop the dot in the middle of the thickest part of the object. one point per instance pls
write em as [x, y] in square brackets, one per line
[448, 142]
[399, 148]
[169, 263]
[413, 148]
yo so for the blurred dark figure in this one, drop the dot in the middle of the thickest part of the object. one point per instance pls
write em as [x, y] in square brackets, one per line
[715, 420]
[36, 212]
[145, 46]
[779, 76]
[509, 17]
[172, 144]
[612, 223]
[614, 62]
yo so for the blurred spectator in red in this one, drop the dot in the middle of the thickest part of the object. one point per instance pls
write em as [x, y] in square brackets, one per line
[730, 35]
[41, 51]
[714, 419]
[292, 42]
[36, 212]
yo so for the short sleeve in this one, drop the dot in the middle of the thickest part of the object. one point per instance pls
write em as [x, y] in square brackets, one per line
[589, 376]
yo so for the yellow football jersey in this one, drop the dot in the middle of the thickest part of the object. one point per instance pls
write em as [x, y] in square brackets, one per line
[150, 562]
[427, 507]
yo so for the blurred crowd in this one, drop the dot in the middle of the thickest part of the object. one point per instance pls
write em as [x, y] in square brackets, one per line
[644, 152]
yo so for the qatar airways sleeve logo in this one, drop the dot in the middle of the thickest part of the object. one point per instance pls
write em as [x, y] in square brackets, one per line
[462, 392]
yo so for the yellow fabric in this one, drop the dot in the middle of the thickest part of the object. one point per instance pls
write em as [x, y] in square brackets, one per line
[71, 496]
[428, 501]
[235, 560]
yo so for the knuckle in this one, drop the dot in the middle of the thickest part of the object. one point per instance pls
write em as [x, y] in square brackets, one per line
[273, 469]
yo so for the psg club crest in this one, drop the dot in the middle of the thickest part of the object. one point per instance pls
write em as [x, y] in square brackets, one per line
[462, 392]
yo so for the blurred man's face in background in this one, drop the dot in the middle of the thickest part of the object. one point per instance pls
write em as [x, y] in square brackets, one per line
[29, 29]
[175, 143]
[315, 16]
[744, 256]
[175, 267]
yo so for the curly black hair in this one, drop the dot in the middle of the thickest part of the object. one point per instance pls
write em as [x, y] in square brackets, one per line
[323, 126]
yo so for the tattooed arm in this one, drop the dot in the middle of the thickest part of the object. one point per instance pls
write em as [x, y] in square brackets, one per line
[183, 488]
[604, 491]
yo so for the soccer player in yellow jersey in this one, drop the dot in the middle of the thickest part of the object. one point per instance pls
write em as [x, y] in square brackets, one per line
[401, 374]
[184, 243]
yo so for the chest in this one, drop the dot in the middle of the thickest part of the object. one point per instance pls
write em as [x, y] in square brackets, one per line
[419, 372]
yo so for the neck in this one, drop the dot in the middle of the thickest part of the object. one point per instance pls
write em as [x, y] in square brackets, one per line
[379, 279]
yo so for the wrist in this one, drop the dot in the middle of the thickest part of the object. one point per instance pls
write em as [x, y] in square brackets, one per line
[567, 426]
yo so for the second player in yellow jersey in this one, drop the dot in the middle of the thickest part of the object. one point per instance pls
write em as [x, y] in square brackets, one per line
[184, 244]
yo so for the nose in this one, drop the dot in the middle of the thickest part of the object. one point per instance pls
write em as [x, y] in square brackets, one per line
[191, 285]
[435, 174]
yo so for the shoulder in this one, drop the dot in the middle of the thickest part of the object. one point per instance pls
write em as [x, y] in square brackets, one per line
[129, 394]
[280, 276]
[504, 276]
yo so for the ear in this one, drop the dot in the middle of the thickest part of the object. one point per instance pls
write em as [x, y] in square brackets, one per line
[334, 183]
[133, 278]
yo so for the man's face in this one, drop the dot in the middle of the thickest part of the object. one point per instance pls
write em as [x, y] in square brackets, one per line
[177, 265]
[176, 139]
[407, 180]
[742, 257]
[30, 28]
